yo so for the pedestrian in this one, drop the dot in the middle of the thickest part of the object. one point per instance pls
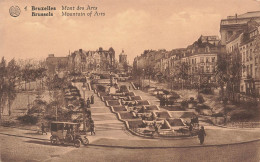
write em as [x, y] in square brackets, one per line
[43, 129]
[92, 99]
[88, 103]
[190, 128]
[201, 135]
[92, 128]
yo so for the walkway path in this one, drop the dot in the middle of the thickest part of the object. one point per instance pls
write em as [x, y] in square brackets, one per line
[106, 123]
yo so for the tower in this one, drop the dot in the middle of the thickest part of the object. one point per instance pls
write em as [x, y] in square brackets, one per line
[122, 58]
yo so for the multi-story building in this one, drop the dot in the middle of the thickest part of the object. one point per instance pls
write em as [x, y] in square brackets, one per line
[201, 59]
[56, 64]
[84, 61]
[249, 49]
[243, 59]
[235, 24]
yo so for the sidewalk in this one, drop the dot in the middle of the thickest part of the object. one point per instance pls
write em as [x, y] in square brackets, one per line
[215, 136]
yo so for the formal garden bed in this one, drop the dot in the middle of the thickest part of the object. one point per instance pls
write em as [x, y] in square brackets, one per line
[127, 115]
[173, 108]
[113, 103]
[118, 108]
[151, 107]
[162, 114]
[143, 102]
[132, 98]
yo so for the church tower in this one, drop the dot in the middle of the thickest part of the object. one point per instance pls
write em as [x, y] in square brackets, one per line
[122, 57]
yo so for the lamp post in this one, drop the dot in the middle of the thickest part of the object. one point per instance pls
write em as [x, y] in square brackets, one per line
[143, 80]
[84, 88]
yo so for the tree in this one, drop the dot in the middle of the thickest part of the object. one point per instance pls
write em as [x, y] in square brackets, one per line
[222, 72]
[2, 81]
[138, 73]
[183, 72]
[149, 70]
[12, 74]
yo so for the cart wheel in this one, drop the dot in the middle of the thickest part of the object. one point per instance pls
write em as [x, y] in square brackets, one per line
[85, 141]
[53, 140]
[77, 143]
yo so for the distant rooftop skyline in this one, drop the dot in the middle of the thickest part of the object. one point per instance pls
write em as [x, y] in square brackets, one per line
[132, 25]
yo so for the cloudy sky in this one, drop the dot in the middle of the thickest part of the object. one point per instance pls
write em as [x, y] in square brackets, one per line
[132, 25]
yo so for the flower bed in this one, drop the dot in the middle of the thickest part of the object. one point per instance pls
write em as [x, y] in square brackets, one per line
[135, 123]
[173, 108]
[151, 107]
[135, 98]
[113, 103]
[175, 122]
[143, 102]
[101, 94]
[162, 114]
[106, 98]
[127, 115]
[130, 94]
[119, 108]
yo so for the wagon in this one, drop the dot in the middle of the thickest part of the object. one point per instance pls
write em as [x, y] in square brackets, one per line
[67, 133]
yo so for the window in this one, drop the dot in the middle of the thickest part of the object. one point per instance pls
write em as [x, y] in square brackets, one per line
[251, 69]
[207, 69]
[213, 59]
[251, 51]
[202, 69]
[202, 59]
[247, 57]
[213, 69]
[207, 59]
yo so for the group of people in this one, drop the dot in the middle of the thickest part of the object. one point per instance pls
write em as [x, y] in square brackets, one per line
[90, 101]
[201, 132]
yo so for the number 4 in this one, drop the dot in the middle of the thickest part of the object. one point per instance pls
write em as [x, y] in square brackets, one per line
[25, 8]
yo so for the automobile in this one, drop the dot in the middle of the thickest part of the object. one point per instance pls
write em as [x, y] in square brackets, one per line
[67, 133]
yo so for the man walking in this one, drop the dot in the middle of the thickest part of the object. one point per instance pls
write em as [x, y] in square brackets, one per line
[88, 103]
[92, 99]
[92, 128]
[201, 135]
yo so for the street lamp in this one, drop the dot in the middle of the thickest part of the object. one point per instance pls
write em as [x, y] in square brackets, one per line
[143, 80]
[84, 88]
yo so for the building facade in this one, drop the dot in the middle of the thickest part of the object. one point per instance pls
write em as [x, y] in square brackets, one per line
[56, 64]
[96, 61]
[235, 24]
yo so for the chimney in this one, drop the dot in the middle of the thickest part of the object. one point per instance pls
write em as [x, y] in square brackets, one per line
[80, 50]
[236, 17]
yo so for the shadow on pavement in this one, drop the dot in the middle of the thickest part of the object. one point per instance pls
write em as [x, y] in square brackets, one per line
[48, 143]
[35, 133]
[23, 136]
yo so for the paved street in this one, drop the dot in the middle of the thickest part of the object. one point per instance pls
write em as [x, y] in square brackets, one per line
[113, 142]
[26, 149]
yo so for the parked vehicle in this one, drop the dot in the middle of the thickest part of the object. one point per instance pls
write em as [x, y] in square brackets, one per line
[67, 133]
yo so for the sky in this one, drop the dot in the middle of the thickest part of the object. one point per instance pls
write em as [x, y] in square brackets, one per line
[129, 25]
